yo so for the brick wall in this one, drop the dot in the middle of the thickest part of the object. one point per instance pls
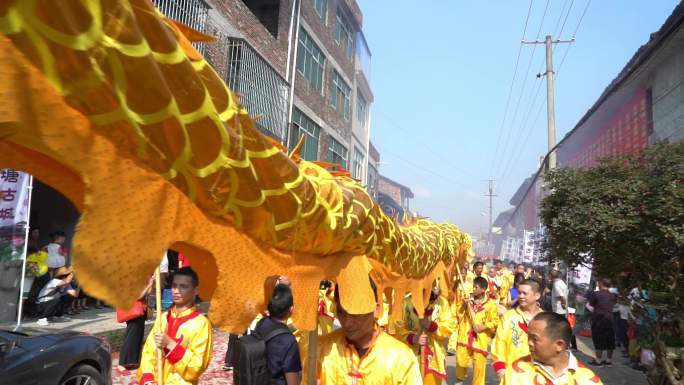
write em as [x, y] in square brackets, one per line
[274, 50]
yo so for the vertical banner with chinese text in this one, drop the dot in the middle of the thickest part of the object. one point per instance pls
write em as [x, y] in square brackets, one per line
[14, 216]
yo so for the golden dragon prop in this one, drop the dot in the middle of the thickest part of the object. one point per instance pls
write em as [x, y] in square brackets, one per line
[108, 102]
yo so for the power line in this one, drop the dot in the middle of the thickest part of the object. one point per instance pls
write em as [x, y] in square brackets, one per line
[427, 147]
[524, 83]
[510, 90]
[557, 72]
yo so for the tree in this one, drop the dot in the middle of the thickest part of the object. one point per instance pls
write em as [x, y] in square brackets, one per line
[626, 216]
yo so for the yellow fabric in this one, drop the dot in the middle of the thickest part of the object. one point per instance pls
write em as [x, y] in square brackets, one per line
[39, 260]
[196, 337]
[505, 281]
[464, 359]
[530, 374]
[326, 311]
[486, 315]
[109, 103]
[387, 362]
[510, 343]
[432, 357]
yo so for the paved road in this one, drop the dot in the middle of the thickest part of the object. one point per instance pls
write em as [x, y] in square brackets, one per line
[619, 374]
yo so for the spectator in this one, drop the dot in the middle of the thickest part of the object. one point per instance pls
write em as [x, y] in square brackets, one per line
[622, 324]
[602, 333]
[56, 296]
[57, 251]
[559, 293]
[517, 279]
[33, 245]
[282, 351]
[135, 334]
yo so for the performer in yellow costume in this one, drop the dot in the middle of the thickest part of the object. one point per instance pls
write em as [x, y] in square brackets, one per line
[477, 323]
[510, 344]
[427, 336]
[326, 308]
[552, 362]
[360, 353]
[463, 289]
[184, 335]
[504, 279]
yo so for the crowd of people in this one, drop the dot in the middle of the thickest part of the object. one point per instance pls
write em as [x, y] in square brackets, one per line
[54, 294]
[493, 315]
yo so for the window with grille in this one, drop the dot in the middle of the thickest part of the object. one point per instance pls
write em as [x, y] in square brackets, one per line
[339, 95]
[357, 164]
[361, 107]
[321, 7]
[310, 61]
[193, 13]
[343, 34]
[303, 126]
[337, 153]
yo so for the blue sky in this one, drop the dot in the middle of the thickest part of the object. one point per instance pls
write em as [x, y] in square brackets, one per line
[441, 74]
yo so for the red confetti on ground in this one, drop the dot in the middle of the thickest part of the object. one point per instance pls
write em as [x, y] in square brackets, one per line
[214, 375]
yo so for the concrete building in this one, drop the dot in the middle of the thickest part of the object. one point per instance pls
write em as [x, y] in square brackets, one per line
[396, 192]
[643, 105]
[301, 66]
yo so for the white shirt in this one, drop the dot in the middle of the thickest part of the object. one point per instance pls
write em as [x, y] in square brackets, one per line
[559, 289]
[49, 291]
[624, 311]
[572, 367]
[164, 265]
[55, 258]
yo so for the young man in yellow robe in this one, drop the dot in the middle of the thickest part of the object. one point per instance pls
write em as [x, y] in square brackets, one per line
[427, 336]
[477, 322]
[504, 280]
[510, 344]
[552, 362]
[185, 337]
[360, 353]
[463, 289]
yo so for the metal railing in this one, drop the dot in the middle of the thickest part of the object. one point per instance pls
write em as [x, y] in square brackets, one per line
[193, 13]
[262, 90]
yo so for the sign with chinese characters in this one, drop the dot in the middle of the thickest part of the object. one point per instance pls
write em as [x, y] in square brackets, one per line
[14, 214]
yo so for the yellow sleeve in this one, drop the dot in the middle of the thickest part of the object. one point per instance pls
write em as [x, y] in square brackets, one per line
[190, 361]
[500, 346]
[148, 361]
[491, 318]
[444, 325]
[410, 375]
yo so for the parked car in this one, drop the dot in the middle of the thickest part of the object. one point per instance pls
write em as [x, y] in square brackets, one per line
[33, 356]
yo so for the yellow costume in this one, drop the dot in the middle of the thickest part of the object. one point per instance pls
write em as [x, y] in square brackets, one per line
[464, 290]
[505, 283]
[387, 362]
[473, 347]
[186, 362]
[37, 263]
[326, 311]
[430, 357]
[532, 373]
[510, 343]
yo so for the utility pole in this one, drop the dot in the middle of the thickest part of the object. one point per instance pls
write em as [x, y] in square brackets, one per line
[490, 195]
[550, 108]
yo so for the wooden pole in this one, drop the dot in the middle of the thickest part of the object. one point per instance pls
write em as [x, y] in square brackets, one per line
[311, 367]
[160, 353]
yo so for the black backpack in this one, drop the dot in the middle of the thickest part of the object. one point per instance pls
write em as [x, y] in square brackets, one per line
[250, 361]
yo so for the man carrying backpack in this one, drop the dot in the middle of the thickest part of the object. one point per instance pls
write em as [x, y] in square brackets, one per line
[281, 349]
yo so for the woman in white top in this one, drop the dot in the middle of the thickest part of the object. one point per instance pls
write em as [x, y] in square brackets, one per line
[57, 251]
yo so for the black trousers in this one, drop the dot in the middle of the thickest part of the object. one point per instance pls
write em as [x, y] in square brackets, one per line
[232, 340]
[54, 307]
[133, 343]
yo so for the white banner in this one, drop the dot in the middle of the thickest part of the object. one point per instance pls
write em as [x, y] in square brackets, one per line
[14, 214]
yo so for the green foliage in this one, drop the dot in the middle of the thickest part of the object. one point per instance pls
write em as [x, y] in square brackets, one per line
[626, 216]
